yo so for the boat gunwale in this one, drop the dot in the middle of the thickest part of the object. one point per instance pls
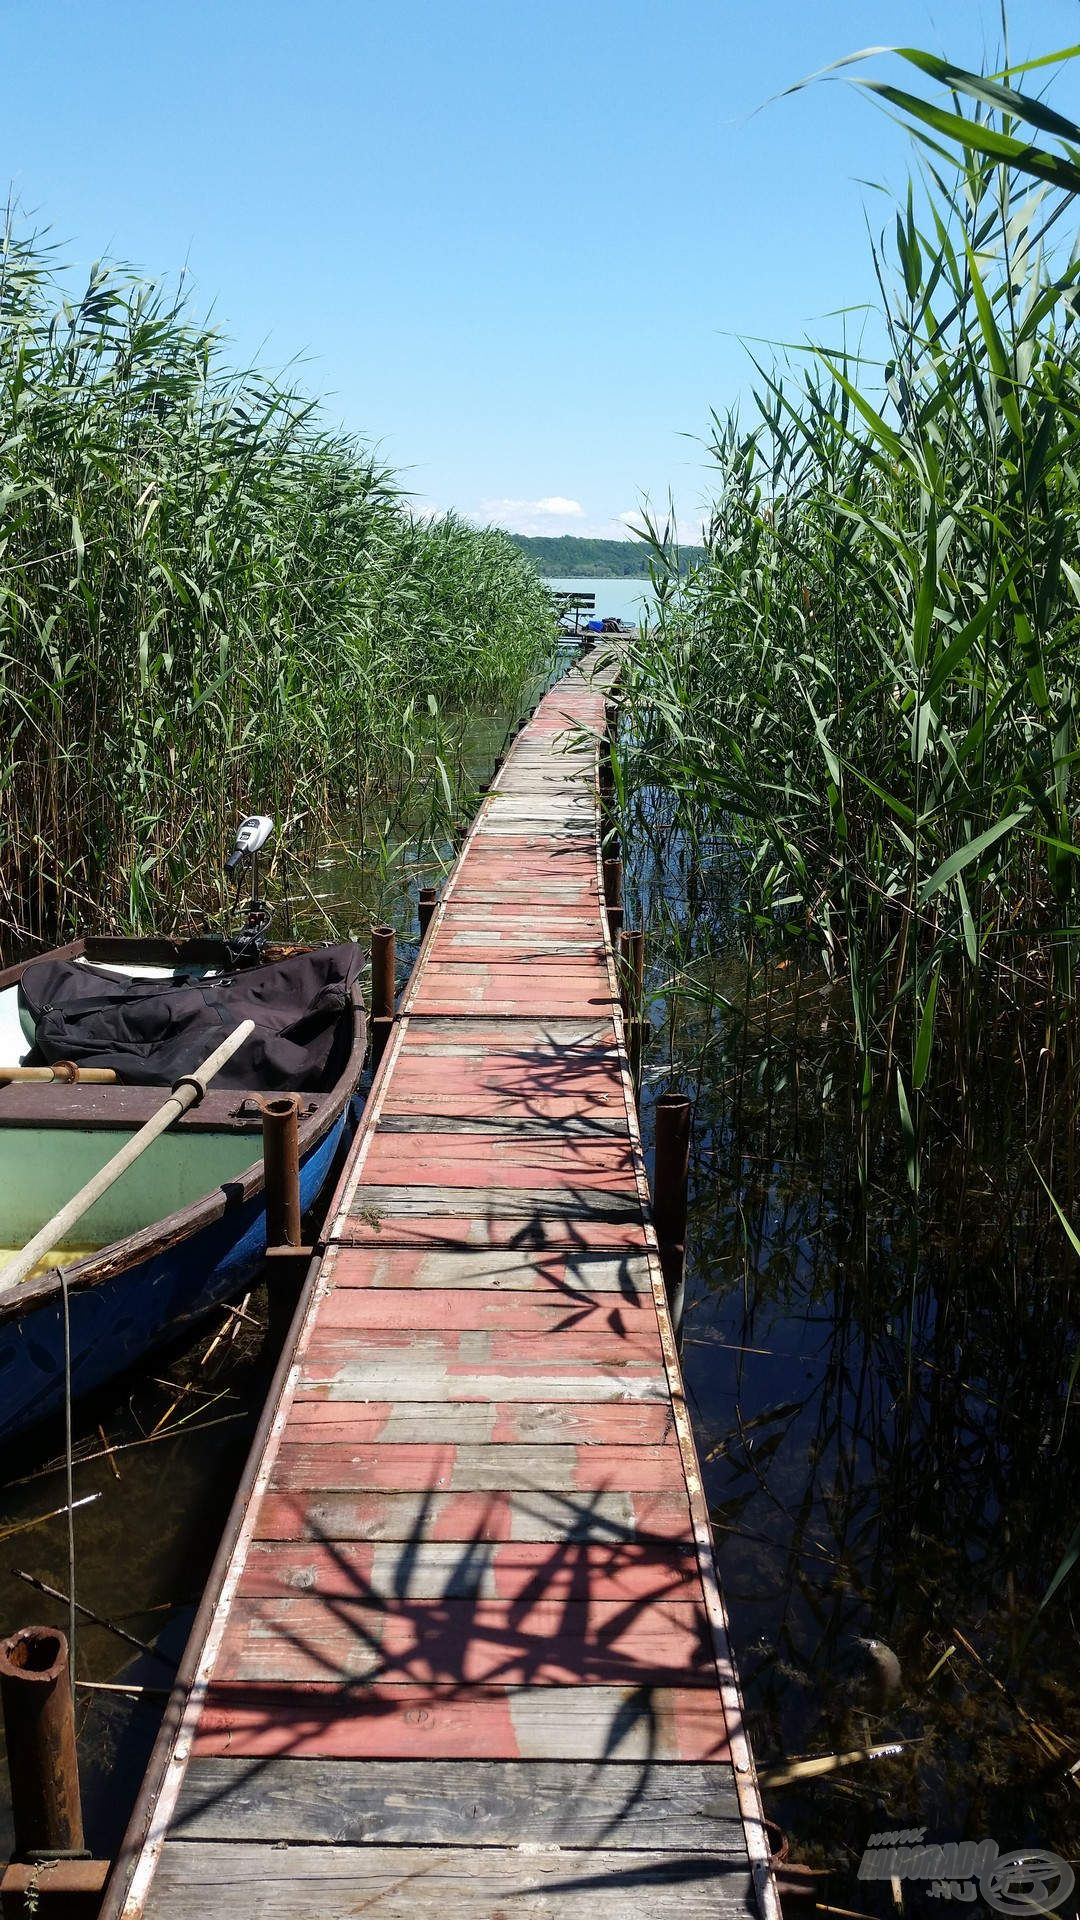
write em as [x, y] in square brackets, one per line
[173, 1229]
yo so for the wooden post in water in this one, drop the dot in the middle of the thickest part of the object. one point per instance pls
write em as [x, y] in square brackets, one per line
[429, 900]
[633, 971]
[281, 1168]
[613, 894]
[383, 989]
[632, 986]
[671, 1179]
[39, 1723]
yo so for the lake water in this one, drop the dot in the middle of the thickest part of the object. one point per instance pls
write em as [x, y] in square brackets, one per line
[615, 599]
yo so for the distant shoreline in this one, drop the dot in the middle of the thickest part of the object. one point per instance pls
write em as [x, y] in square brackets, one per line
[570, 557]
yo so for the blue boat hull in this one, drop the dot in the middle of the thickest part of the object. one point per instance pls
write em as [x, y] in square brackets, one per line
[118, 1321]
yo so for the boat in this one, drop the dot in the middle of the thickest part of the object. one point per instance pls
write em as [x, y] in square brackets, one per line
[185, 1227]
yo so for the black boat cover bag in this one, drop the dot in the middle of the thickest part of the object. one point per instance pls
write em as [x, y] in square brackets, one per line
[153, 1031]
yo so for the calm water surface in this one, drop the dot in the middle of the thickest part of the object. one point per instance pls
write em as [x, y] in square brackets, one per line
[615, 599]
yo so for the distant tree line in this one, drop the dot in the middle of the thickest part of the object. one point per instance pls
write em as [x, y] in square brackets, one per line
[570, 557]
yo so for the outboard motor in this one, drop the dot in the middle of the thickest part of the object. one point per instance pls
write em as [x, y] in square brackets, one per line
[245, 948]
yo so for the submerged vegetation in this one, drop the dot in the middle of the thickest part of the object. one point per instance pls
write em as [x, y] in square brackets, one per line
[208, 602]
[849, 758]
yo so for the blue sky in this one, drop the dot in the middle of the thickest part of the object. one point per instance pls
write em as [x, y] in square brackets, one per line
[512, 242]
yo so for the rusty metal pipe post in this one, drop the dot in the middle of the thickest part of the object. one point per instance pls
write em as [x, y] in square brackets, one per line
[671, 1181]
[613, 894]
[429, 900]
[383, 989]
[39, 1723]
[281, 1167]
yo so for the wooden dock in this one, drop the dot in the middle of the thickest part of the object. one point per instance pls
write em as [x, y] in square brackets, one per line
[465, 1652]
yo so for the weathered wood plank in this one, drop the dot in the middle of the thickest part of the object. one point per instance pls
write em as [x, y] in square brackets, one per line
[447, 1162]
[406, 1883]
[642, 1519]
[567, 1124]
[444, 1228]
[477, 1570]
[323, 1465]
[312, 1636]
[474, 1423]
[542, 1204]
[458, 1722]
[563, 1273]
[335, 1370]
[462, 1803]
[471, 1309]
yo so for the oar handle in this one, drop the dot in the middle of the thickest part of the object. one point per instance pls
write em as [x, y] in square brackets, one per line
[61, 1073]
[184, 1095]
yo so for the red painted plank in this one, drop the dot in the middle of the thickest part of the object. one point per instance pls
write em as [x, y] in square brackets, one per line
[318, 1464]
[475, 1351]
[561, 1274]
[524, 1642]
[405, 1159]
[507, 1312]
[508, 1569]
[363, 1422]
[643, 1519]
[449, 1230]
[421, 1723]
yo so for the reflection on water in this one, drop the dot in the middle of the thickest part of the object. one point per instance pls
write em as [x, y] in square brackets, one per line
[882, 1409]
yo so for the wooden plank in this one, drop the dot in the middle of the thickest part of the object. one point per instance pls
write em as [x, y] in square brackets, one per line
[544, 1204]
[539, 1114]
[424, 1370]
[611, 1424]
[314, 1465]
[446, 1162]
[462, 1803]
[508, 1228]
[407, 1883]
[564, 1273]
[482, 1569]
[469, 1309]
[606, 1519]
[501, 1348]
[460, 1722]
[312, 1636]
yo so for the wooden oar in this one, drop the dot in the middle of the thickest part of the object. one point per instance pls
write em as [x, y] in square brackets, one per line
[186, 1091]
[64, 1071]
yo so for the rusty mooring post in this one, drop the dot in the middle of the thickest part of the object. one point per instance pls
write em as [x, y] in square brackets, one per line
[613, 894]
[39, 1723]
[671, 1178]
[383, 989]
[429, 900]
[281, 1167]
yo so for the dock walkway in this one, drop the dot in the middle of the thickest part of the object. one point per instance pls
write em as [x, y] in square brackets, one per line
[468, 1655]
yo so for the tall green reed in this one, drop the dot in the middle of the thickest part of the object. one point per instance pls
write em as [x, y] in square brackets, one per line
[868, 689]
[207, 602]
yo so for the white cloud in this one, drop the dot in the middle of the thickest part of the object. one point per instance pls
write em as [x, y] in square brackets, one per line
[555, 513]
